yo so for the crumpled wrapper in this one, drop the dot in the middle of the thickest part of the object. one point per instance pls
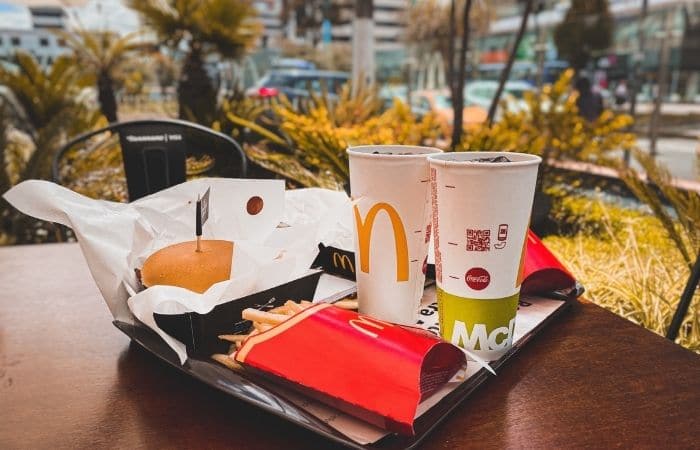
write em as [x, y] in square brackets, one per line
[272, 247]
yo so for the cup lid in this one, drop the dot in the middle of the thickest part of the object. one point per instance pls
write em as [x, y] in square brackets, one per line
[391, 151]
[467, 158]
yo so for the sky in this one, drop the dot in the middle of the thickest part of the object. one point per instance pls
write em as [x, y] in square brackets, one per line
[95, 14]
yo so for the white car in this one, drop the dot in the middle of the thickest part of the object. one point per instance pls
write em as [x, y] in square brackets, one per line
[481, 93]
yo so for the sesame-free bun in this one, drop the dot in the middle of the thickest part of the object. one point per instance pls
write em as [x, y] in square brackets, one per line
[182, 265]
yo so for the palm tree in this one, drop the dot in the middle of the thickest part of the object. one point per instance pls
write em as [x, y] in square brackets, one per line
[101, 55]
[202, 26]
[48, 106]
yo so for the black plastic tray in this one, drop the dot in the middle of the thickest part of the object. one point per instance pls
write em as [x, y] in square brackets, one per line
[199, 332]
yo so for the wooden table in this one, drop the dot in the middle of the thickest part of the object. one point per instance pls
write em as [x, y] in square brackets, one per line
[68, 379]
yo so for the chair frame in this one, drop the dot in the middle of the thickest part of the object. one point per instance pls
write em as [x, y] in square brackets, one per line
[685, 300]
[116, 126]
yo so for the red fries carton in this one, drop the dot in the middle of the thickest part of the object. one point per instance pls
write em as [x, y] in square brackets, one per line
[368, 368]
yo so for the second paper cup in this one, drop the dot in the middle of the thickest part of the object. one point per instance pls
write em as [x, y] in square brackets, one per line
[390, 187]
[481, 212]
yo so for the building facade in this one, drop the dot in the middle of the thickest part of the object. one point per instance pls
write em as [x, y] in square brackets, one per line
[270, 15]
[671, 23]
[35, 35]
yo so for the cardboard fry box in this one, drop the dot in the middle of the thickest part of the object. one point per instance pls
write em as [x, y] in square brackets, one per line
[199, 332]
[373, 370]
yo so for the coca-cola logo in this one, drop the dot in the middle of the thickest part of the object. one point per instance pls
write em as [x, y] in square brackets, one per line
[477, 278]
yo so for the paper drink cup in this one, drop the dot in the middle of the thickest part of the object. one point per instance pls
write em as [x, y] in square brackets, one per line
[481, 212]
[390, 187]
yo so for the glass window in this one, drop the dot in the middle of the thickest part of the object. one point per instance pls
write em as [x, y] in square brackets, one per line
[15, 41]
[44, 42]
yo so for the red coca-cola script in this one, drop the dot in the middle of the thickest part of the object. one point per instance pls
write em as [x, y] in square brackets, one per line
[477, 278]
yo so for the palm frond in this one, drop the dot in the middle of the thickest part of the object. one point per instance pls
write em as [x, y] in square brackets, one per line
[658, 191]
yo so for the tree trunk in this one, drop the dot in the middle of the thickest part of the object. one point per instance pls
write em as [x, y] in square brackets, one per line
[108, 102]
[662, 80]
[511, 58]
[634, 77]
[195, 92]
[363, 45]
[450, 58]
[458, 93]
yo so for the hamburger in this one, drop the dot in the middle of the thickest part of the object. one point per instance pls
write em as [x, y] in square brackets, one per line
[183, 266]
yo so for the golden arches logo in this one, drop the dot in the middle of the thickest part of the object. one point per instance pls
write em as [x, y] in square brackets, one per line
[343, 261]
[364, 237]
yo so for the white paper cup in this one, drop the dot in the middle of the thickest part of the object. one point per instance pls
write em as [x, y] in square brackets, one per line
[481, 212]
[390, 187]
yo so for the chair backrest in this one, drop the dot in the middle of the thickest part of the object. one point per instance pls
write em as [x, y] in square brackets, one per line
[155, 153]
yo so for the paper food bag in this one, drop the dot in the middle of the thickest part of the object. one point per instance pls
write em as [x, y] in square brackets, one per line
[116, 238]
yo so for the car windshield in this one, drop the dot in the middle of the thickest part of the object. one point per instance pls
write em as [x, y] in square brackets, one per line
[277, 80]
[517, 93]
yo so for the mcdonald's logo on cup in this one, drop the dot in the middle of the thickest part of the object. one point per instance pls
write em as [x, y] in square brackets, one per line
[341, 261]
[364, 237]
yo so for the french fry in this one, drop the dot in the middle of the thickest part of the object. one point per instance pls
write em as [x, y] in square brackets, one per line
[260, 327]
[263, 321]
[233, 337]
[227, 361]
[293, 307]
[346, 304]
[280, 310]
[263, 317]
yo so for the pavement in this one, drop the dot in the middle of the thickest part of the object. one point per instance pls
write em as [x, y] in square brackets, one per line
[679, 155]
[668, 108]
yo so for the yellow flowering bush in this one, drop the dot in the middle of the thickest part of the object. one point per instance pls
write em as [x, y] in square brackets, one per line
[309, 148]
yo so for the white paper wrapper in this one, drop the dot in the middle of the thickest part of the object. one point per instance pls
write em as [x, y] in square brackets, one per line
[116, 238]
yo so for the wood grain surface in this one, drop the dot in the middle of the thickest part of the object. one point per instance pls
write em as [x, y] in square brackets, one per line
[68, 379]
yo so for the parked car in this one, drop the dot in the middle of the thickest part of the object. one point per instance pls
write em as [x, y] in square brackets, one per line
[523, 71]
[439, 102]
[388, 93]
[481, 93]
[297, 84]
[292, 63]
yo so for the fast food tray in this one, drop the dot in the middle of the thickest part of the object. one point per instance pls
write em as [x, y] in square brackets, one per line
[263, 394]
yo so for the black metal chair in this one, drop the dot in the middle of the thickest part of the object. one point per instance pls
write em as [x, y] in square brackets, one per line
[684, 303]
[155, 153]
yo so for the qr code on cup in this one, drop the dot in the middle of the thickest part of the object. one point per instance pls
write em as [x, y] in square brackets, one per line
[478, 240]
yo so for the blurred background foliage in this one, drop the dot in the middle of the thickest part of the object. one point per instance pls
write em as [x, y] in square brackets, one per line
[306, 143]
